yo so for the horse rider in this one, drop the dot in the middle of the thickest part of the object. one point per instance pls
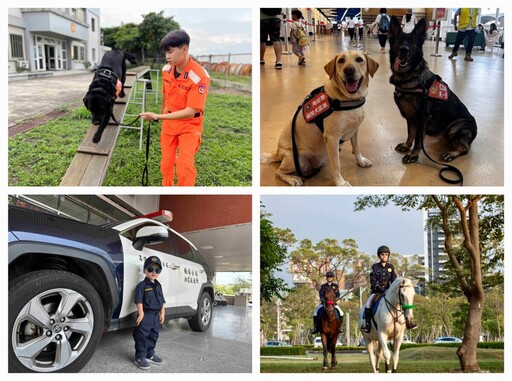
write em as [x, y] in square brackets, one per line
[334, 286]
[382, 275]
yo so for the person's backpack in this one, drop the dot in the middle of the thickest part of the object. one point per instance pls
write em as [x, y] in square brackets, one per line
[302, 36]
[384, 23]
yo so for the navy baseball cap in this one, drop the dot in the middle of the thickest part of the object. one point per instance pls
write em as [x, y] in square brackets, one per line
[152, 260]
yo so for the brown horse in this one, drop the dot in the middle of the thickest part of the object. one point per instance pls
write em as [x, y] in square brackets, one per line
[329, 327]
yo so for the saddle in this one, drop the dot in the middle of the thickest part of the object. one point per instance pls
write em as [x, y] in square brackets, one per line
[321, 311]
[374, 304]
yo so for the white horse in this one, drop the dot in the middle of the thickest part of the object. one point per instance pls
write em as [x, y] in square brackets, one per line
[388, 323]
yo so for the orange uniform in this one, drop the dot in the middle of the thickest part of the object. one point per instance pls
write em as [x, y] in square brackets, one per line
[188, 90]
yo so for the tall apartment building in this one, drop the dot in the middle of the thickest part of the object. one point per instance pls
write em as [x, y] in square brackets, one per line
[435, 256]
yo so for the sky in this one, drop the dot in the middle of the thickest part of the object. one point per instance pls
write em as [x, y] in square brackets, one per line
[211, 30]
[331, 216]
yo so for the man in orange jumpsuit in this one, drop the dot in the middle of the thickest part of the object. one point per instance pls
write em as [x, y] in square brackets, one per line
[185, 86]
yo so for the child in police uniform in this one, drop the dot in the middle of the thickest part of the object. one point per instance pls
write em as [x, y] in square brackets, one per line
[184, 90]
[149, 298]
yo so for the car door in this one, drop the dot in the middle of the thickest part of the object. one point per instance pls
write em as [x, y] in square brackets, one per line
[192, 274]
[133, 272]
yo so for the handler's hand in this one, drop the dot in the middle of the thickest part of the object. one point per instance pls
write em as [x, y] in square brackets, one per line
[162, 318]
[147, 116]
[139, 318]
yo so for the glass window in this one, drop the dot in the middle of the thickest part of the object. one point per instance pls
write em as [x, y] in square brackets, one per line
[16, 45]
[184, 249]
[93, 24]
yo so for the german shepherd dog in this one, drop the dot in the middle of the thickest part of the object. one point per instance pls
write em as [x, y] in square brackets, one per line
[107, 85]
[426, 102]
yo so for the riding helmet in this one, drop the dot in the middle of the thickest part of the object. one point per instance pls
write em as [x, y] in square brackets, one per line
[383, 249]
[329, 273]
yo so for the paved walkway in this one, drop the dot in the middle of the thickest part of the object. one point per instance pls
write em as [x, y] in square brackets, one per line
[35, 97]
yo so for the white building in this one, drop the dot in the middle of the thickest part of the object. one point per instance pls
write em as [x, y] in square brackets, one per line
[49, 39]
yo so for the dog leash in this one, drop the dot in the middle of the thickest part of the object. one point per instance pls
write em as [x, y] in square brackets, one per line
[145, 171]
[446, 168]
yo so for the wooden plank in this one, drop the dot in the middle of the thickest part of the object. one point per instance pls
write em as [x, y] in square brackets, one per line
[76, 170]
[126, 98]
[95, 171]
[90, 164]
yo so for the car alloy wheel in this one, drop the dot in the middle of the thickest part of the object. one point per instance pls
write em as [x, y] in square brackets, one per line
[52, 330]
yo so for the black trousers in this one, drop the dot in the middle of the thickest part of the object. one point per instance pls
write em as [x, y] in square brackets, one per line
[382, 40]
[471, 35]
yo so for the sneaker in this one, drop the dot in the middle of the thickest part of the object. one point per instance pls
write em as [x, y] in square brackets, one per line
[155, 359]
[279, 65]
[302, 60]
[141, 363]
[262, 62]
[454, 54]
[468, 58]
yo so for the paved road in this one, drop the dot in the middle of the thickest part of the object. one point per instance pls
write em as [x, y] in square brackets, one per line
[38, 96]
[224, 348]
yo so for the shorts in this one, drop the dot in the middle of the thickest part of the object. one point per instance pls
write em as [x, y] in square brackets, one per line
[270, 28]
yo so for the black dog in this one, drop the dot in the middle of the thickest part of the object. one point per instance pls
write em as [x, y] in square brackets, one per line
[423, 99]
[107, 85]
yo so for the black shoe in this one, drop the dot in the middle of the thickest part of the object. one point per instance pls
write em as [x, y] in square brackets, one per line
[141, 363]
[155, 359]
[365, 327]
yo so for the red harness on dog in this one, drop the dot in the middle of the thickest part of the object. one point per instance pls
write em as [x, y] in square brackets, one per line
[315, 108]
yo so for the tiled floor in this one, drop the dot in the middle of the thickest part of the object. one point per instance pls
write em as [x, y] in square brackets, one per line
[224, 348]
[479, 84]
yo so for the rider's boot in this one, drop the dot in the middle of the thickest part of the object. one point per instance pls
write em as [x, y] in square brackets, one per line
[315, 325]
[367, 320]
[410, 324]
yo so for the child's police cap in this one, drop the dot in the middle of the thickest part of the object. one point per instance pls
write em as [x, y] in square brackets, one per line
[152, 260]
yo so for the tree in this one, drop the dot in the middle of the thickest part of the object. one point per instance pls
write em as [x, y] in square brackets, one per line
[473, 228]
[153, 28]
[345, 260]
[272, 255]
[298, 307]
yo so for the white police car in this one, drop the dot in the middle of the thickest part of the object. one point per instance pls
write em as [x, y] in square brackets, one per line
[70, 281]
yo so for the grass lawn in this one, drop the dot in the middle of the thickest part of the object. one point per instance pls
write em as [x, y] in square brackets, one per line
[41, 156]
[412, 360]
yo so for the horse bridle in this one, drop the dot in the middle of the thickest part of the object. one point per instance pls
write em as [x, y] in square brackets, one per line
[399, 311]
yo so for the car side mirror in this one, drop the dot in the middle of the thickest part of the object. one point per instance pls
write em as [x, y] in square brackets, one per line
[150, 235]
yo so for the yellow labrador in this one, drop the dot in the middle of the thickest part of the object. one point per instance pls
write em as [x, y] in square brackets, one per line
[349, 73]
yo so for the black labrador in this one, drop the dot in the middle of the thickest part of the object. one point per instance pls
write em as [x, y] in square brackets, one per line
[107, 85]
[424, 100]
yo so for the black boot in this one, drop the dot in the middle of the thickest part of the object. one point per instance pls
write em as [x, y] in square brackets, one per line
[367, 317]
[315, 325]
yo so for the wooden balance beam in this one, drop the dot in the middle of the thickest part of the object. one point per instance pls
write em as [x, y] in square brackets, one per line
[91, 161]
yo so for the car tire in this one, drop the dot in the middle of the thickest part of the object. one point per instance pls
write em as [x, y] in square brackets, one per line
[56, 320]
[201, 321]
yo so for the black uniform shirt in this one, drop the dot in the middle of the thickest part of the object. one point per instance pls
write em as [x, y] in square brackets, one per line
[325, 287]
[381, 277]
[150, 295]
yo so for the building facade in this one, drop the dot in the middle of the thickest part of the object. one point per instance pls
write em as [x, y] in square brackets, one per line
[435, 256]
[50, 39]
